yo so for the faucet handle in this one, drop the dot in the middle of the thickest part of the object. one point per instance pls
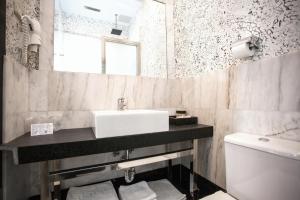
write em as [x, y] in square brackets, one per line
[121, 100]
[121, 103]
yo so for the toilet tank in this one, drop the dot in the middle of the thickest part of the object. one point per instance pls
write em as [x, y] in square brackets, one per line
[262, 168]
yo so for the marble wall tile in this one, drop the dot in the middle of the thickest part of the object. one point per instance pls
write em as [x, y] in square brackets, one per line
[38, 90]
[290, 82]
[223, 88]
[94, 92]
[203, 158]
[206, 91]
[223, 127]
[130, 91]
[205, 116]
[14, 126]
[35, 118]
[174, 93]
[115, 90]
[66, 90]
[274, 123]
[204, 146]
[60, 119]
[188, 92]
[160, 94]
[15, 86]
[70, 119]
[59, 90]
[256, 85]
[144, 92]
[55, 95]
[15, 102]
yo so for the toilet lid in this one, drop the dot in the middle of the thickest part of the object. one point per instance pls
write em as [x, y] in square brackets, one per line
[282, 147]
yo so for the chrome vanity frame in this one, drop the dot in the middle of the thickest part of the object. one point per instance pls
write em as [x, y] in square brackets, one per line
[51, 180]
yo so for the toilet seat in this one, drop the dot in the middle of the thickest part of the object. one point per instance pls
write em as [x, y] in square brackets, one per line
[219, 196]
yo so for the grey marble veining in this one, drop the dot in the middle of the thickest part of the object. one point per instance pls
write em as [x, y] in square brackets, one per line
[15, 103]
[256, 85]
[285, 125]
[289, 95]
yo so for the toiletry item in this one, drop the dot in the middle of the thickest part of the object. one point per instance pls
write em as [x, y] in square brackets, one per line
[181, 113]
[41, 129]
[165, 190]
[182, 120]
[101, 191]
[140, 191]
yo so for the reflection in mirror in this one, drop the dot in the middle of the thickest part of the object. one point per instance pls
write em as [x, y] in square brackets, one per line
[134, 32]
[116, 53]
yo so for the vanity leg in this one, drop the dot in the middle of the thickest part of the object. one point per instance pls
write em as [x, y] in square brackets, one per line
[193, 176]
[56, 188]
[44, 181]
[56, 184]
[170, 171]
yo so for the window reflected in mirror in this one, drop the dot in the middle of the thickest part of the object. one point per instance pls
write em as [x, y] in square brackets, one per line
[125, 37]
[120, 57]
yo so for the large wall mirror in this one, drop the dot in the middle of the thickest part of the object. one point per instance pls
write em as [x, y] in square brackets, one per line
[126, 37]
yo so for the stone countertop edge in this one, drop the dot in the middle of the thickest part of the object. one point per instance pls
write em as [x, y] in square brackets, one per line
[82, 142]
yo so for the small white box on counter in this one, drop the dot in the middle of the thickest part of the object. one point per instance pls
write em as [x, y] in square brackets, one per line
[41, 129]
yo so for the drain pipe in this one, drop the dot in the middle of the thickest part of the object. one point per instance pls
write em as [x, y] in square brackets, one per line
[129, 173]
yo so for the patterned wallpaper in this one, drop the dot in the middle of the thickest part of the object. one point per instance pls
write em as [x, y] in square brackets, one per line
[14, 35]
[204, 31]
[149, 29]
[84, 25]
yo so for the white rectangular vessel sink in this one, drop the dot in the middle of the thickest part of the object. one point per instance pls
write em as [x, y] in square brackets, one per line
[129, 122]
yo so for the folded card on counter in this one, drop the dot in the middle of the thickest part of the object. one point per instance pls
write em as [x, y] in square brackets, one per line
[41, 129]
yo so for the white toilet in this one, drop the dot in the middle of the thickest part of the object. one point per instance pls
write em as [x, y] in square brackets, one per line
[261, 168]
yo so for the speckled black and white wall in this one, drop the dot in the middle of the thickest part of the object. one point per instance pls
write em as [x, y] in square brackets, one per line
[149, 28]
[14, 35]
[204, 31]
[77, 24]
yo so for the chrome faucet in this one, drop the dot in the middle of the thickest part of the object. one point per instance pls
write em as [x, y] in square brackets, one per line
[121, 103]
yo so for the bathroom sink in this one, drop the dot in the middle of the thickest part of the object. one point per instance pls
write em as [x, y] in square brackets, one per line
[129, 122]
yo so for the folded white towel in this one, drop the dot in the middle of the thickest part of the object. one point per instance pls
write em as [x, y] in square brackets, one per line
[138, 191]
[101, 191]
[218, 196]
[165, 190]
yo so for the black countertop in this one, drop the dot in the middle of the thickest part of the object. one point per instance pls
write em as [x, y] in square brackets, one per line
[80, 142]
